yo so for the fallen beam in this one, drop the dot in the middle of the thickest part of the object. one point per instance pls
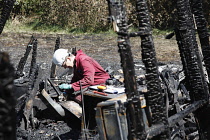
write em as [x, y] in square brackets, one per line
[159, 128]
[52, 104]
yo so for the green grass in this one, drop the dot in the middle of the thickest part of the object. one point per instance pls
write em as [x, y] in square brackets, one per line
[33, 25]
[161, 32]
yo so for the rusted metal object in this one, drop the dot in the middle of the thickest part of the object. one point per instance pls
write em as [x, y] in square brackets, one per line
[111, 118]
[112, 121]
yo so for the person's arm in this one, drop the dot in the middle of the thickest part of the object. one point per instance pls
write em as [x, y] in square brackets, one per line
[88, 75]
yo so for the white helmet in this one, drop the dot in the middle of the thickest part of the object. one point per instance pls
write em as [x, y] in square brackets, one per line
[60, 56]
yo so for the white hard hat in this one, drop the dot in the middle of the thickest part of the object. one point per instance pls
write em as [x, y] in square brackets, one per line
[59, 56]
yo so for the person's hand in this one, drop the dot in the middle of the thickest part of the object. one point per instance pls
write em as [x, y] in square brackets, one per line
[65, 86]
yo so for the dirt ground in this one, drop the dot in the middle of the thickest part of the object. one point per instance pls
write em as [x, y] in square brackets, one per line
[102, 47]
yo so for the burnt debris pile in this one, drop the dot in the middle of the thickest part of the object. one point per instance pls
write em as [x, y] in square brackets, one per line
[170, 101]
[145, 100]
[38, 113]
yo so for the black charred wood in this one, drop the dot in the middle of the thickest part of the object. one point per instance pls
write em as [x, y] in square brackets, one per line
[133, 34]
[5, 13]
[118, 13]
[34, 55]
[22, 62]
[201, 24]
[36, 77]
[155, 97]
[191, 60]
[188, 50]
[160, 127]
[7, 101]
[169, 36]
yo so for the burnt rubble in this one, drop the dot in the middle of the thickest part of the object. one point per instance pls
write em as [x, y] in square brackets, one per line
[143, 100]
[51, 119]
[42, 113]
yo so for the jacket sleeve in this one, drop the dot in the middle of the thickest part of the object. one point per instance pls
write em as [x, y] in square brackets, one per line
[88, 75]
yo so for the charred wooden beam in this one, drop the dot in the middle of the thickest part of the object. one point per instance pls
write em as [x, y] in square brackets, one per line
[154, 96]
[22, 62]
[193, 68]
[34, 55]
[172, 120]
[7, 101]
[35, 79]
[5, 13]
[118, 14]
[192, 28]
[191, 61]
[50, 103]
[201, 24]
[35, 74]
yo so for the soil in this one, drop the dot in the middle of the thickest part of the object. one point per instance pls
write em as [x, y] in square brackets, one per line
[102, 47]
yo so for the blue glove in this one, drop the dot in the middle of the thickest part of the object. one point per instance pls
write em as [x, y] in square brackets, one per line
[65, 86]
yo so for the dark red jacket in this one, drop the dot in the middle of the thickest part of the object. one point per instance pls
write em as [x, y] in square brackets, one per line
[88, 71]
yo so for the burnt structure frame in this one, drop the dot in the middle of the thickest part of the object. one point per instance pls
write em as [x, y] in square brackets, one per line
[191, 60]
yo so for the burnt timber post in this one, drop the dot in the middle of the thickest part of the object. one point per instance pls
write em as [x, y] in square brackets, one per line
[117, 12]
[34, 55]
[22, 62]
[201, 25]
[154, 97]
[186, 39]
